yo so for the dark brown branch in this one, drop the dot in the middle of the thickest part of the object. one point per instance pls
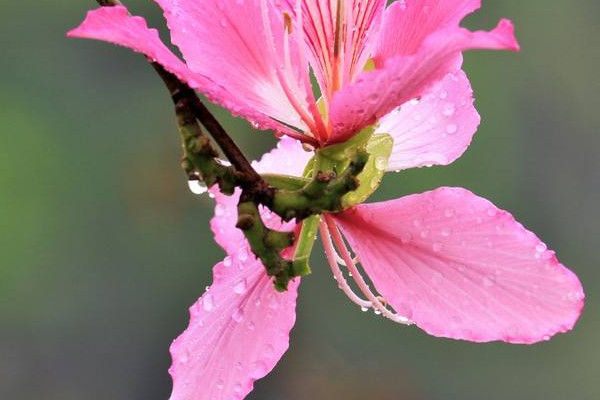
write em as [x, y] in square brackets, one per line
[253, 184]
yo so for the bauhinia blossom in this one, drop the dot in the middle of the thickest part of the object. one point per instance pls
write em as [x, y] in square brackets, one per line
[448, 261]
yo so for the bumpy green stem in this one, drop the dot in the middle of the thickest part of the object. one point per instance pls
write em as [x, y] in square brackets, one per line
[266, 244]
[323, 193]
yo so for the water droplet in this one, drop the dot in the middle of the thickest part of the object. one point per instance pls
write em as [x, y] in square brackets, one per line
[451, 129]
[446, 232]
[251, 326]
[184, 357]
[381, 163]
[449, 110]
[220, 384]
[227, 261]
[197, 187]
[237, 388]
[377, 312]
[364, 309]
[208, 303]
[437, 247]
[238, 315]
[269, 351]
[449, 212]
[219, 210]
[258, 370]
[272, 301]
[243, 255]
[240, 286]
[406, 238]
[541, 247]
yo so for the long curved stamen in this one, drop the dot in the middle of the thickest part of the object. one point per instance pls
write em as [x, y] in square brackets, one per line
[360, 282]
[321, 132]
[337, 273]
[286, 68]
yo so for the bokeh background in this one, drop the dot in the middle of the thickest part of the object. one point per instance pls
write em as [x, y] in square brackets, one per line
[103, 248]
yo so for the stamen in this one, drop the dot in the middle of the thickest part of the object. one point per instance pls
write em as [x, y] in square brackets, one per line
[337, 46]
[287, 23]
[337, 273]
[378, 306]
[289, 92]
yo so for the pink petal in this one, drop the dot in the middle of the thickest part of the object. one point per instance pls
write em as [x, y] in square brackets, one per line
[434, 130]
[238, 331]
[115, 25]
[417, 19]
[362, 19]
[240, 328]
[405, 77]
[228, 42]
[461, 268]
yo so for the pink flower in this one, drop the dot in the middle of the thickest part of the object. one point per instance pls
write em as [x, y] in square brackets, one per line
[446, 260]
[253, 56]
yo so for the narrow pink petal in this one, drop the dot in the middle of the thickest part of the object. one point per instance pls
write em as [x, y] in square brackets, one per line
[115, 25]
[239, 330]
[228, 42]
[461, 268]
[240, 327]
[435, 129]
[405, 77]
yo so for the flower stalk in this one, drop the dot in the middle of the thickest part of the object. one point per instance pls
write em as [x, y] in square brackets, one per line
[299, 199]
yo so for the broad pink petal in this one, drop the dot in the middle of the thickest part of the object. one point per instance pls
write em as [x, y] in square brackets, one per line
[461, 268]
[435, 129]
[407, 24]
[360, 23]
[239, 46]
[115, 25]
[238, 331]
[405, 77]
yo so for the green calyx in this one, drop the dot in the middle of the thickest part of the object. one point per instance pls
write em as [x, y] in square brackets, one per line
[338, 157]
[336, 178]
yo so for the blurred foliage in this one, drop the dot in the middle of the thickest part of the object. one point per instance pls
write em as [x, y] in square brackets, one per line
[102, 247]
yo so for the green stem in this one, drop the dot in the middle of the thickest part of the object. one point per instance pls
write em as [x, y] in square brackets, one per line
[305, 244]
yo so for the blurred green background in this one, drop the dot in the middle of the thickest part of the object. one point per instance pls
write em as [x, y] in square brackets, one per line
[103, 248]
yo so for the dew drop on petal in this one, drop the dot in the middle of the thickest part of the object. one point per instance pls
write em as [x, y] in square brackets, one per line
[451, 129]
[237, 388]
[258, 370]
[208, 303]
[240, 286]
[238, 315]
